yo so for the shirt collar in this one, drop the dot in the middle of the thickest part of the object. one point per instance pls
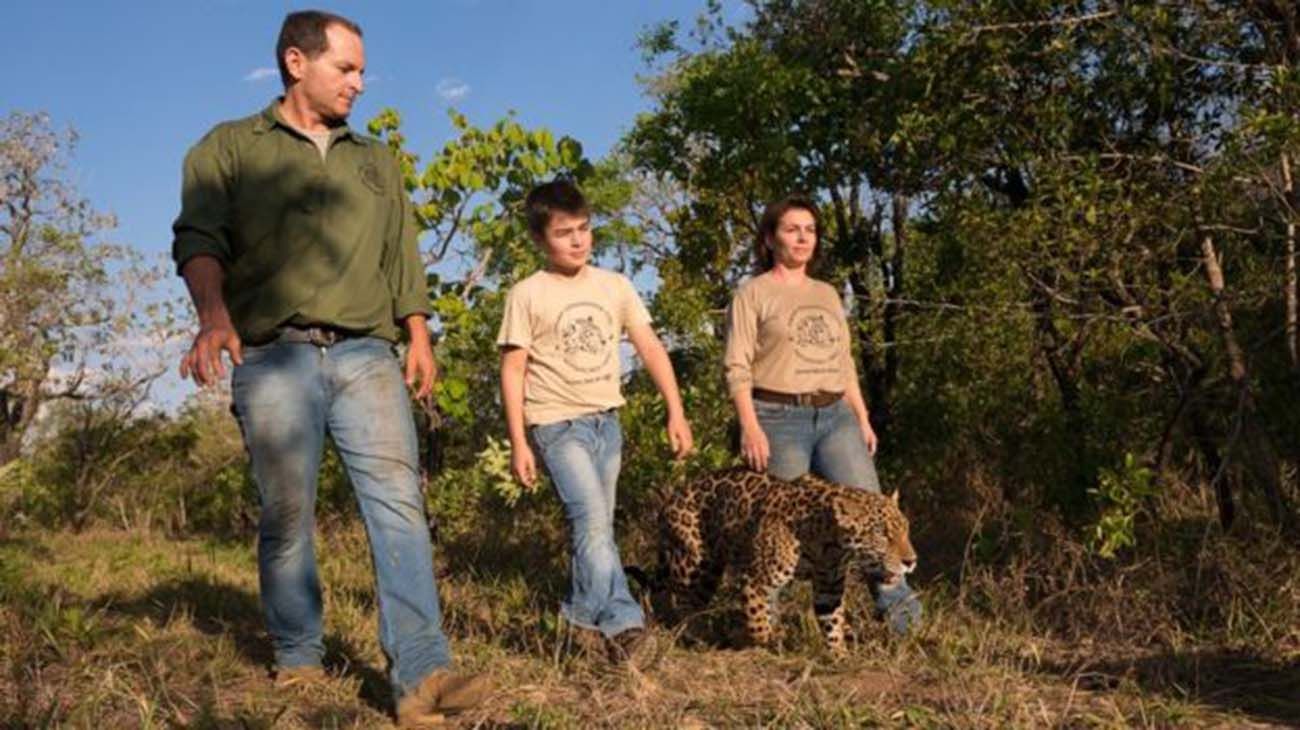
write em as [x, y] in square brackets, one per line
[270, 118]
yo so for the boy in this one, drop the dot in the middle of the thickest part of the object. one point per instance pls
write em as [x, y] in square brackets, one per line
[560, 377]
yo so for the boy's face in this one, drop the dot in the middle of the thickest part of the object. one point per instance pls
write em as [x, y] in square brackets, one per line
[566, 241]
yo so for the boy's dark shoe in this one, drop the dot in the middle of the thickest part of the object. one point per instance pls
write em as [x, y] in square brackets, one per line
[632, 647]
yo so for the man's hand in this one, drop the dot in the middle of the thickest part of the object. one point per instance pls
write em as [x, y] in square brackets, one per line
[679, 436]
[754, 447]
[203, 276]
[203, 361]
[420, 366]
[523, 465]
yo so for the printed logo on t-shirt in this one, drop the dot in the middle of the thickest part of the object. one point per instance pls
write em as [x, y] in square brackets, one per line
[812, 331]
[586, 336]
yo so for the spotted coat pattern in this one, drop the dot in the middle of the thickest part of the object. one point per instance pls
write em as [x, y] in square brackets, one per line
[768, 532]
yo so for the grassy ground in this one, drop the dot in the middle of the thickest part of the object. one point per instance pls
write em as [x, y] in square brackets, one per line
[114, 629]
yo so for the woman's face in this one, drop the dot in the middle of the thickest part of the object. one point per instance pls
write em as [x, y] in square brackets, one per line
[795, 239]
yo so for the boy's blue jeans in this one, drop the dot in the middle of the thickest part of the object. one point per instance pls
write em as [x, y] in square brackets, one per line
[287, 396]
[583, 456]
[828, 442]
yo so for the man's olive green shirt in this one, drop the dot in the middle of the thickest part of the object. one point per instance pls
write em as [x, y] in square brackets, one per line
[317, 241]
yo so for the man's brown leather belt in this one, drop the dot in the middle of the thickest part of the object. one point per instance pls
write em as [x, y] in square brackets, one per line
[318, 335]
[816, 399]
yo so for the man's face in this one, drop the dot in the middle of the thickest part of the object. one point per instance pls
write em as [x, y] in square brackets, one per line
[331, 81]
[566, 241]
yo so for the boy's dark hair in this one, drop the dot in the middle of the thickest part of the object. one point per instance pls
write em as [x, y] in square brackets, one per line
[542, 201]
[305, 30]
[764, 259]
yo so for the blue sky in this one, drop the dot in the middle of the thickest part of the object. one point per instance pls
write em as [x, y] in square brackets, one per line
[142, 81]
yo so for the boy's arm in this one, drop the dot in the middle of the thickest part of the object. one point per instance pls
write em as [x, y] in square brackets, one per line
[514, 364]
[652, 353]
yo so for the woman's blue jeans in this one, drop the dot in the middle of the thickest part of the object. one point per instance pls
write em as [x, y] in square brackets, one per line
[828, 442]
[287, 396]
[583, 456]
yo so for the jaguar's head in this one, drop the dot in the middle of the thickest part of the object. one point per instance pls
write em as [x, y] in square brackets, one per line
[877, 534]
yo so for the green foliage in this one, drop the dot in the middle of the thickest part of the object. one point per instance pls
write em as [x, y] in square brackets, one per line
[1121, 494]
[1019, 200]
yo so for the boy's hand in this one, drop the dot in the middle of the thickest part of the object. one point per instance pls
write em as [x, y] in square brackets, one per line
[679, 437]
[524, 466]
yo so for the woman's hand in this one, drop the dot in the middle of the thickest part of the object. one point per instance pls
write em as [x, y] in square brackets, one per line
[869, 436]
[754, 448]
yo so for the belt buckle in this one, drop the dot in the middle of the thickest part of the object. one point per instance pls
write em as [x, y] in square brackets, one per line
[321, 337]
[804, 399]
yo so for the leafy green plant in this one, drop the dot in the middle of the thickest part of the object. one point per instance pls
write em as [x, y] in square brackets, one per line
[1121, 494]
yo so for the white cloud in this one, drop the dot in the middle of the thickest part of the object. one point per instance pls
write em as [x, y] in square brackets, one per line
[453, 89]
[261, 74]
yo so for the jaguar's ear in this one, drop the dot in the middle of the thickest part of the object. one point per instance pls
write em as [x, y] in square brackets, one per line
[894, 497]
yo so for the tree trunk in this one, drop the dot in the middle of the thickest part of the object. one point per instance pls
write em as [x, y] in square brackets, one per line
[1219, 479]
[17, 411]
[1257, 446]
[894, 290]
[1292, 293]
[1056, 350]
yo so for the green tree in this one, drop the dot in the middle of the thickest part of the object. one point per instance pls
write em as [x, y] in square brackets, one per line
[63, 306]
[1062, 221]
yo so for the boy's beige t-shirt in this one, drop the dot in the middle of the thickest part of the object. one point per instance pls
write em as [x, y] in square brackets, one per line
[791, 338]
[571, 327]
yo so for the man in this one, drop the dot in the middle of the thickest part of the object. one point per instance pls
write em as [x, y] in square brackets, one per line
[298, 245]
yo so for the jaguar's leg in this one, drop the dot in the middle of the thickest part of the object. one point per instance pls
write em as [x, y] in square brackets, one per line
[682, 552]
[828, 604]
[772, 566]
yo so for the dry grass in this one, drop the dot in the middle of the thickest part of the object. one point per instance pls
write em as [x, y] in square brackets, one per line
[113, 629]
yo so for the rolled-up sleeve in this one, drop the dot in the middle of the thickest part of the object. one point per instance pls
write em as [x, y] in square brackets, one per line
[742, 334]
[203, 226]
[403, 266]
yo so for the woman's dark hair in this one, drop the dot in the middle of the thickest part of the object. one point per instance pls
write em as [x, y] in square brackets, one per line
[305, 30]
[764, 258]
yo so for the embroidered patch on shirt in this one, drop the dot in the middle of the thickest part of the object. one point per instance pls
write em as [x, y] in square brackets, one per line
[371, 177]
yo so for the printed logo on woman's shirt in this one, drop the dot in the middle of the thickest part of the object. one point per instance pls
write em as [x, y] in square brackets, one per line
[813, 333]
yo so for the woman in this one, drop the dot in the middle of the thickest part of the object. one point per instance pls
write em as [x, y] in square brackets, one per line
[792, 378]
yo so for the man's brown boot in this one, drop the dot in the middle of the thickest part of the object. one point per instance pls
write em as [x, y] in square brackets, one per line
[439, 694]
[304, 675]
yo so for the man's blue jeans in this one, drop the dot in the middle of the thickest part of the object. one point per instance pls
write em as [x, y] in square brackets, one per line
[583, 456]
[828, 442]
[287, 396]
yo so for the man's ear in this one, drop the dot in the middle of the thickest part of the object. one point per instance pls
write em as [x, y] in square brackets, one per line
[294, 61]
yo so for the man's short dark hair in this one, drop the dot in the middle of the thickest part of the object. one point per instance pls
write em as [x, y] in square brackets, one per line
[542, 201]
[305, 30]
